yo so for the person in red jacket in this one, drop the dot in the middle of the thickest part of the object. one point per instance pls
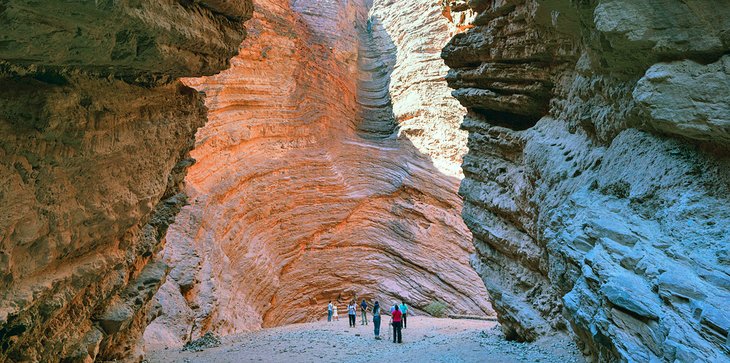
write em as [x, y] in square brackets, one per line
[397, 317]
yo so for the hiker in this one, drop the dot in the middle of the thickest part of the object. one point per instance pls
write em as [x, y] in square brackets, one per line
[397, 317]
[376, 320]
[364, 309]
[334, 313]
[351, 313]
[329, 311]
[404, 310]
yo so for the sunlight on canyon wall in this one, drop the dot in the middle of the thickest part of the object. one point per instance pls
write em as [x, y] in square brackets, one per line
[329, 168]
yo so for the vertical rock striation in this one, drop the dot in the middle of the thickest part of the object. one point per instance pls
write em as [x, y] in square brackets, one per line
[94, 141]
[597, 178]
[319, 176]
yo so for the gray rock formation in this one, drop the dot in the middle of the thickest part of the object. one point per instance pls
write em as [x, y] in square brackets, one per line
[596, 183]
[94, 136]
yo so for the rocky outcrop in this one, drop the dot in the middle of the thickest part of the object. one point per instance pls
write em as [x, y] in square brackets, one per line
[596, 183]
[328, 170]
[142, 41]
[94, 141]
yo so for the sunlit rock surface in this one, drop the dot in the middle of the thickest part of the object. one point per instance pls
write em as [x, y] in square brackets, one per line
[596, 183]
[329, 169]
[94, 136]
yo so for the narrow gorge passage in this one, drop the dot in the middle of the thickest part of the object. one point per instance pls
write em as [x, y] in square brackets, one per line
[305, 190]
[376, 57]
[174, 172]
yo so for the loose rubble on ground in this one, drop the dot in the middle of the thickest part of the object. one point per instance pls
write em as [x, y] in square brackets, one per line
[208, 340]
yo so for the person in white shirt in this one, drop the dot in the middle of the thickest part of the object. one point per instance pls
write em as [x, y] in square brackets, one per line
[335, 315]
[329, 311]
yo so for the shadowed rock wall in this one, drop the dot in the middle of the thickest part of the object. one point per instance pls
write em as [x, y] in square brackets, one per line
[597, 178]
[94, 141]
[329, 169]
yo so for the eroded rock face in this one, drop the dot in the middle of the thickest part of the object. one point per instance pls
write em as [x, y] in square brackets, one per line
[137, 41]
[329, 169]
[596, 183]
[94, 141]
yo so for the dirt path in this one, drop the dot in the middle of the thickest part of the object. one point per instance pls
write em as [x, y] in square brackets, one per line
[425, 340]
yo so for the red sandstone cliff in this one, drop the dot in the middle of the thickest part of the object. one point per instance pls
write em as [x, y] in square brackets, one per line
[329, 169]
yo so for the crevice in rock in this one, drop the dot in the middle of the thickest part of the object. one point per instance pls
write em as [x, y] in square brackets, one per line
[376, 57]
[506, 119]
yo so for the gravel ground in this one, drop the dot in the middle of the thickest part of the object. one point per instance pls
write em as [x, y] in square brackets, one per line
[425, 340]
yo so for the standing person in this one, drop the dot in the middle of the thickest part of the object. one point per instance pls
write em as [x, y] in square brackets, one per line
[334, 314]
[404, 310]
[397, 324]
[364, 309]
[376, 320]
[329, 311]
[351, 313]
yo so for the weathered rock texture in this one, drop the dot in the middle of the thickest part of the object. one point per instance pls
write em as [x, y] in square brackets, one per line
[329, 169]
[598, 175]
[94, 137]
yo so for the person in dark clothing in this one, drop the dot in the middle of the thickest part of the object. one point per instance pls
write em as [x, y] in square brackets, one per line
[376, 320]
[397, 325]
[364, 309]
[351, 313]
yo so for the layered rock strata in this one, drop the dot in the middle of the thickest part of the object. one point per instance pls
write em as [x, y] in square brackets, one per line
[596, 183]
[329, 170]
[94, 141]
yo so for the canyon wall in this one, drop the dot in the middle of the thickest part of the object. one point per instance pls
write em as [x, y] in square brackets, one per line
[329, 170]
[598, 174]
[94, 140]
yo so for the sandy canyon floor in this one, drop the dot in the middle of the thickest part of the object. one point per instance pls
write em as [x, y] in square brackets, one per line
[425, 340]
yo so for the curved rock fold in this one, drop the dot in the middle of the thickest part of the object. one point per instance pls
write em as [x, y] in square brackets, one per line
[328, 171]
